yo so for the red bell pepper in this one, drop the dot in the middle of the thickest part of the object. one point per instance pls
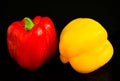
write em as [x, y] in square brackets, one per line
[31, 43]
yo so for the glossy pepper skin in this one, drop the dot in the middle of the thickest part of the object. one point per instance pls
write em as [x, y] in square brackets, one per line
[84, 44]
[32, 47]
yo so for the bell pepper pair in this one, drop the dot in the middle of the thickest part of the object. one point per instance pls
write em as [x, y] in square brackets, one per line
[83, 43]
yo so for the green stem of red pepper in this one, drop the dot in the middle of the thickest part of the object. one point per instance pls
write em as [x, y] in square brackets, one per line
[28, 23]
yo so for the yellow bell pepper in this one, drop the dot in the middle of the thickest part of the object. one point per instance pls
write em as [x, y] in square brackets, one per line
[84, 44]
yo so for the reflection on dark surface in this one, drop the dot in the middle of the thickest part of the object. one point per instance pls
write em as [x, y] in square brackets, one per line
[101, 75]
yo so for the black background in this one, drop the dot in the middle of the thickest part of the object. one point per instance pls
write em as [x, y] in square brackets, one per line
[106, 12]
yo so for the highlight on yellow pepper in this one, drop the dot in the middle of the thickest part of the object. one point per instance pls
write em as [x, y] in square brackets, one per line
[84, 45]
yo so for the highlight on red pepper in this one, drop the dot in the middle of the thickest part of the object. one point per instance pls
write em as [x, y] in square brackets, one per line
[31, 43]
